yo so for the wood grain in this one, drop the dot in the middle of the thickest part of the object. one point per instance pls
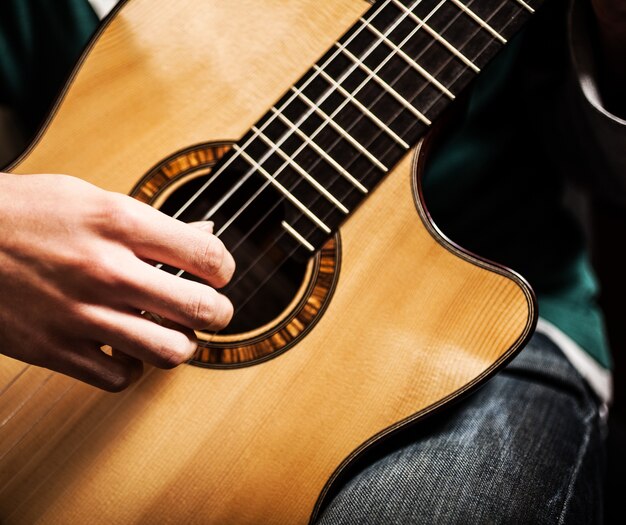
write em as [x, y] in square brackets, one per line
[411, 323]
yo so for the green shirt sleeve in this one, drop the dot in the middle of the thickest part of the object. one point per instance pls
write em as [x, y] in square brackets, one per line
[40, 41]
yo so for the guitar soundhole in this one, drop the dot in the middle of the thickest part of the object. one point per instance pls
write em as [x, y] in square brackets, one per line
[266, 279]
[278, 291]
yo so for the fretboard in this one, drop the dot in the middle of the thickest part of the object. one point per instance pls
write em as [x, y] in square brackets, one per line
[338, 131]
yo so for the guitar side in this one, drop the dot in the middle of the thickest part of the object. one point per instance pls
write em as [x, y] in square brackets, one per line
[414, 321]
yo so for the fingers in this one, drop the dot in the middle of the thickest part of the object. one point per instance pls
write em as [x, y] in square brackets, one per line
[189, 303]
[152, 235]
[133, 285]
[134, 340]
[92, 366]
[155, 236]
[142, 339]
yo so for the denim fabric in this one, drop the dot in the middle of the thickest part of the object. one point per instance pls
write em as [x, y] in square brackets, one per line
[525, 448]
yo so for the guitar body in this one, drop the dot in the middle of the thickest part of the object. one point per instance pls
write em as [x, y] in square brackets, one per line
[412, 321]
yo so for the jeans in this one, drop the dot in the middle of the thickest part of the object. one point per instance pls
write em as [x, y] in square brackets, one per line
[528, 447]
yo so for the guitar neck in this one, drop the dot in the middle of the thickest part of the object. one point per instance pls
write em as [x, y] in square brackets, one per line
[350, 119]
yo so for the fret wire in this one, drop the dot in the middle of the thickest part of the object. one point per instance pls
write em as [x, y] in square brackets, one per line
[525, 6]
[227, 163]
[343, 132]
[328, 92]
[397, 49]
[422, 24]
[385, 86]
[372, 74]
[432, 12]
[329, 196]
[363, 108]
[296, 202]
[309, 140]
[267, 278]
[370, 50]
[292, 231]
[479, 20]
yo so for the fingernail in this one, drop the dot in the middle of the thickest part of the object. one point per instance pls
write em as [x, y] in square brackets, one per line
[205, 226]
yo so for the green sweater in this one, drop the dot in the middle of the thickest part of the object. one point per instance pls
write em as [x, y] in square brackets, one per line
[40, 41]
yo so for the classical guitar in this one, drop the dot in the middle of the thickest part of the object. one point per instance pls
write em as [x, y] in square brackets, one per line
[293, 126]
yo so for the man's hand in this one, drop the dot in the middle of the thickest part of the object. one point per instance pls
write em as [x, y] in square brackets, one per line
[74, 276]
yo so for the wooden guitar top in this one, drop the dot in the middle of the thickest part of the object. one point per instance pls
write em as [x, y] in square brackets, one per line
[413, 321]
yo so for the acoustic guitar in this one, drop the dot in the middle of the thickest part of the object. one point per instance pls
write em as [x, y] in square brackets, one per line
[294, 126]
